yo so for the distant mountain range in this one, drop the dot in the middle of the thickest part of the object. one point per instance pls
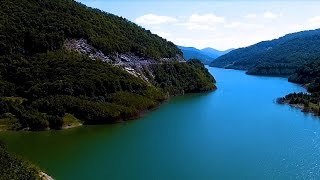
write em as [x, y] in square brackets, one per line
[280, 56]
[213, 52]
[206, 55]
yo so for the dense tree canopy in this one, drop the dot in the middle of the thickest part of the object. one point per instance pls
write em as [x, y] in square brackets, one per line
[12, 167]
[44, 85]
[50, 85]
[179, 78]
[276, 57]
[307, 102]
[37, 26]
[309, 76]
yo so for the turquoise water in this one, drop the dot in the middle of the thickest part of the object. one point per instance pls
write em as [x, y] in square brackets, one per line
[235, 132]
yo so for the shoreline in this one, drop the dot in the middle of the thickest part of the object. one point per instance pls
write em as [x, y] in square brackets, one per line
[301, 107]
[70, 127]
[140, 114]
[45, 176]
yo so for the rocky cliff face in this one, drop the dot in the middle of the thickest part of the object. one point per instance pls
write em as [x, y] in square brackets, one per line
[135, 65]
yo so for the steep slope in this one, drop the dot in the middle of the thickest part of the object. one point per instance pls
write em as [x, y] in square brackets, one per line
[308, 102]
[61, 61]
[276, 57]
[36, 26]
[176, 78]
[12, 167]
[307, 75]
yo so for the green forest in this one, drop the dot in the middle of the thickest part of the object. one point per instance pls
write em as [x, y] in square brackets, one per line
[176, 78]
[294, 55]
[13, 167]
[38, 26]
[309, 76]
[276, 57]
[38, 93]
[44, 86]
[307, 102]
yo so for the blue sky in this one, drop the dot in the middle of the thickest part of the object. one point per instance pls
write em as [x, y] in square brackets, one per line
[217, 24]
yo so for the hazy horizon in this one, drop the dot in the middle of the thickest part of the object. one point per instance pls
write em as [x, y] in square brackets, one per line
[219, 25]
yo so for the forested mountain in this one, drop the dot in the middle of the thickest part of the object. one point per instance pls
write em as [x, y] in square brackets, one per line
[62, 63]
[176, 77]
[206, 55]
[191, 52]
[215, 53]
[309, 76]
[276, 57]
[37, 26]
[12, 167]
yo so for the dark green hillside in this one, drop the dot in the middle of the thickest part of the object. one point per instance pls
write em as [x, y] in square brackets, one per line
[295, 54]
[37, 26]
[12, 167]
[45, 86]
[56, 83]
[48, 81]
[37, 93]
[276, 57]
[180, 78]
[309, 76]
[306, 102]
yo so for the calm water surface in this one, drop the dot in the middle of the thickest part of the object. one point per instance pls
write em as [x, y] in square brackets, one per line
[236, 132]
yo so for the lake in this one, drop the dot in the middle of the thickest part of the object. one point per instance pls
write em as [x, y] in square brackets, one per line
[235, 132]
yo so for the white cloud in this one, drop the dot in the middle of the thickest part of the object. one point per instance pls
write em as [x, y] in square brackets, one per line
[223, 42]
[162, 34]
[243, 25]
[195, 26]
[270, 15]
[205, 22]
[233, 25]
[314, 22]
[192, 42]
[309, 23]
[153, 19]
[218, 24]
[205, 19]
[210, 30]
[251, 15]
